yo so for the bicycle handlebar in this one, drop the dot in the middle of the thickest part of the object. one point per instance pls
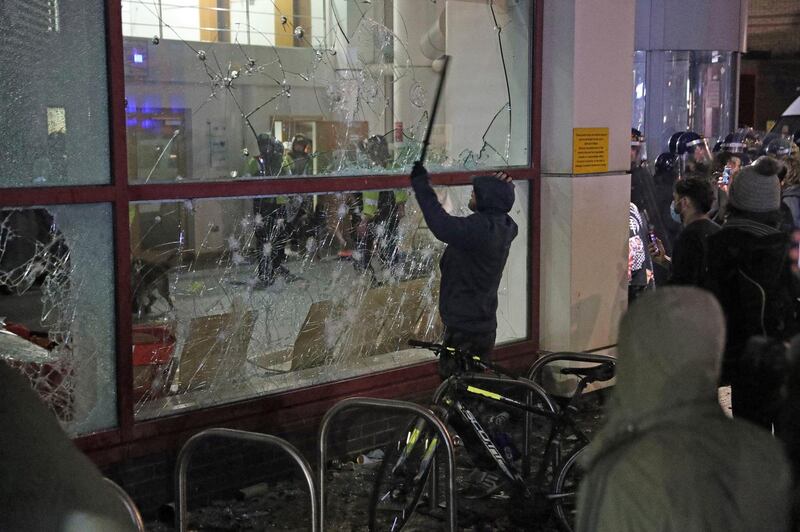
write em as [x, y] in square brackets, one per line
[427, 345]
[482, 365]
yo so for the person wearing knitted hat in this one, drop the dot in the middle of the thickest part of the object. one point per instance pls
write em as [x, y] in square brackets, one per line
[756, 189]
[749, 271]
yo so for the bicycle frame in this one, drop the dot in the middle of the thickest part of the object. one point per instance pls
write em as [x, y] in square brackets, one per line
[470, 379]
[561, 421]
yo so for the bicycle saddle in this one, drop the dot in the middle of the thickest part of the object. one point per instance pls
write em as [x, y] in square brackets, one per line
[599, 373]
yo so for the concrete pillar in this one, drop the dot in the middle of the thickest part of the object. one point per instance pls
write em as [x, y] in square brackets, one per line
[586, 73]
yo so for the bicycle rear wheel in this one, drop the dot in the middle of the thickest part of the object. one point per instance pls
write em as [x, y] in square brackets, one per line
[401, 478]
[565, 490]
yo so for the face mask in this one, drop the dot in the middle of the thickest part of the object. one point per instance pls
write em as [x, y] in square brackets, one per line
[675, 216]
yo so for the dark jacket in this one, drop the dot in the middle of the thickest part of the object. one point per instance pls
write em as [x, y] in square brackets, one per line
[689, 253]
[749, 271]
[476, 253]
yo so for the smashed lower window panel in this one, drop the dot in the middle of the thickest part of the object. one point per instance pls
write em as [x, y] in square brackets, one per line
[57, 309]
[246, 89]
[237, 298]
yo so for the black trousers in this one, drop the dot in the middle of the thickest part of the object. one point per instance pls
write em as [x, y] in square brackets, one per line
[273, 230]
[385, 244]
[758, 380]
[470, 343]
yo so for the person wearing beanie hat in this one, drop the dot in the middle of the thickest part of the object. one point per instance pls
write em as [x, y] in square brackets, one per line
[749, 271]
[756, 188]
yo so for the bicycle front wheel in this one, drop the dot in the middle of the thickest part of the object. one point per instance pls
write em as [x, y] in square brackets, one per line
[401, 478]
[565, 490]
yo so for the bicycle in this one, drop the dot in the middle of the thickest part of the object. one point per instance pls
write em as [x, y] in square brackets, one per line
[408, 460]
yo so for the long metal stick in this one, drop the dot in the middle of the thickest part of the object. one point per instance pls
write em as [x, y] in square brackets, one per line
[445, 60]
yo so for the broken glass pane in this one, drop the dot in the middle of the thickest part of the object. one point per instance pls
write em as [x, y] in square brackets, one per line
[303, 88]
[57, 309]
[55, 94]
[240, 297]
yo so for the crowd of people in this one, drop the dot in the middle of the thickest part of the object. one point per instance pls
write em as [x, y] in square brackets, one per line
[713, 293]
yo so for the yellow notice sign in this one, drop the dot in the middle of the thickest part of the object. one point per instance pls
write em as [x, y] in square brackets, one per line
[589, 150]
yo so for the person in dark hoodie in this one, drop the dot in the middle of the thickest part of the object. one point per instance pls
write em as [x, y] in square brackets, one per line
[473, 262]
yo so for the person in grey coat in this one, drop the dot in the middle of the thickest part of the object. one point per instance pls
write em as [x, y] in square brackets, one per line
[46, 483]
[669, 459]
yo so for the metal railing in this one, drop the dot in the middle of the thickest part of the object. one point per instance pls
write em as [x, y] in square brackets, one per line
[191, 445]
[133, 511]
[388, 404]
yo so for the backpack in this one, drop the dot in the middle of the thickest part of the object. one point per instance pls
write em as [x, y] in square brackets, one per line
[751, 276]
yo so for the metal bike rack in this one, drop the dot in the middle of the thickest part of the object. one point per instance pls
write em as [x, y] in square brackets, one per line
[191, 445]
[532, 388]
[133, 511]
[388, 404]
[569, 356]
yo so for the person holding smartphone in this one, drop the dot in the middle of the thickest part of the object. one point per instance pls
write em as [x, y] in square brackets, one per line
[692, 200]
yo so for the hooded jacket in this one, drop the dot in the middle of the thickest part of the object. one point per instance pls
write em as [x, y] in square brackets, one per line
[668, 458]
[476, 253]
[46, 483]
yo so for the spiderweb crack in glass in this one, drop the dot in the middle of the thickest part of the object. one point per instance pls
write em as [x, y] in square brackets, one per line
[239, 297]
[55, 297]
[377, 71]
[236, 334]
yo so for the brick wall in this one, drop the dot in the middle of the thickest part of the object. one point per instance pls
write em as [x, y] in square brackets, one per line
[772, 26]
[773, 44]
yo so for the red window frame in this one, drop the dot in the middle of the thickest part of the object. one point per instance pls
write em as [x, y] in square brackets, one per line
[289, 408]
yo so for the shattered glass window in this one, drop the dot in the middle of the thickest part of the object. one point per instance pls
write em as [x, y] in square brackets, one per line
[57, 309]
[54, 94]
[239, 297]
[249, 88]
